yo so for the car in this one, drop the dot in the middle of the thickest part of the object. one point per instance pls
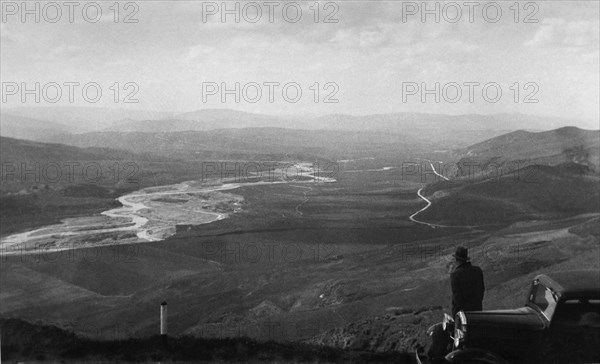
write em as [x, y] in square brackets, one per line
[560, 323]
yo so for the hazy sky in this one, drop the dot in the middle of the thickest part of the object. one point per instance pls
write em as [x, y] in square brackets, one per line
[369, 53]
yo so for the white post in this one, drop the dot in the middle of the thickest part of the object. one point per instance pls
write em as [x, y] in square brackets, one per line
[163, 318]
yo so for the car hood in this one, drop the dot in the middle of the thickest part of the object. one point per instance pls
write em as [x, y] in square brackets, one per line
[524, 318]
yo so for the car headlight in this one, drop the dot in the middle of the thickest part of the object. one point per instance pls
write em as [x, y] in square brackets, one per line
[459, 338]
[448, 321]
[460, 329]
[430, 329]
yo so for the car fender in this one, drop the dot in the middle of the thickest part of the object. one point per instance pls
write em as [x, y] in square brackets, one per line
[472, 355]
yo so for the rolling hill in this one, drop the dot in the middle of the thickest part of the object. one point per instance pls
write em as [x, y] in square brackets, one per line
[83, 119]
[519, 176]
[19, 127]
[252, 143]
[567, 144]
[17, 150]
[201, 120]
[43, 183]
[536, 192]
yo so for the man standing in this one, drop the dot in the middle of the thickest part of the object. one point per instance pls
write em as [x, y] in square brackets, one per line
[467, 295]
[467, 284]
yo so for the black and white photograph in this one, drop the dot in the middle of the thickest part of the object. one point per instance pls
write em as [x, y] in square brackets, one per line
[311, 181]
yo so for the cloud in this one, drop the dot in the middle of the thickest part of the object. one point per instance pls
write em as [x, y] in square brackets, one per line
[370, 36]
[8, 35]
[120, 62]
[369, 52]
[573, 35]
[197, 51]
[65, 50]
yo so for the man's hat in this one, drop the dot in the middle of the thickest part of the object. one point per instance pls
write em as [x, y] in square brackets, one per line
[461, 253]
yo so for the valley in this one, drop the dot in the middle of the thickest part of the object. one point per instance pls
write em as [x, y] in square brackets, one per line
[350, 251]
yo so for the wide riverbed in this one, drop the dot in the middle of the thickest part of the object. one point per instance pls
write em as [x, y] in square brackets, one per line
[150, 214]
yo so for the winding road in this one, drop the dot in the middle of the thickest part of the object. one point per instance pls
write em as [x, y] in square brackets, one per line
[305, 199]
[412, 217]
[436, 172]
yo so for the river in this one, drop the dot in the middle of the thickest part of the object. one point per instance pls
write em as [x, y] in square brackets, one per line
[150, 214]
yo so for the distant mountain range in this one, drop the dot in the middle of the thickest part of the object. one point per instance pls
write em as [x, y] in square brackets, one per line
[396, 122]
[81, 119]
[252, 143]
[448, 131]
[27, 128]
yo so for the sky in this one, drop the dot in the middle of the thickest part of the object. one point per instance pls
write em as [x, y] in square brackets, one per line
[362, 57]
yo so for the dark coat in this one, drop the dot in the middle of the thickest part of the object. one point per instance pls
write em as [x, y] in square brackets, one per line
[467, 288]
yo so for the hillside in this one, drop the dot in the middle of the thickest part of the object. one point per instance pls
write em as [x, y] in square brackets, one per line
[43, 183]
[82, 119]
[26, 341]
[535, 192]
[518, 176]
[17, 150]
[27, 128]
[568, 144]
[379, 299]
[28, 163]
